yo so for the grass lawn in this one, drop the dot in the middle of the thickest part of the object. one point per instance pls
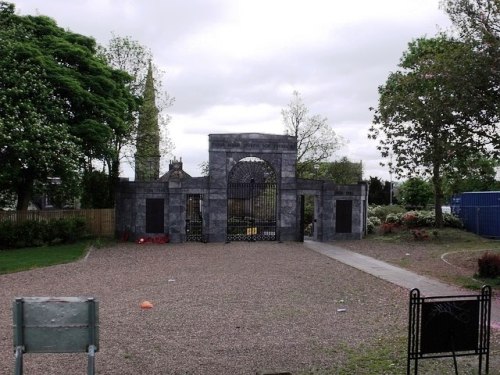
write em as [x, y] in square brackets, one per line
[33, 257]
[447, 254]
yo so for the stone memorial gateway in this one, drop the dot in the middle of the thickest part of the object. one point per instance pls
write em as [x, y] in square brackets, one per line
[251, 193]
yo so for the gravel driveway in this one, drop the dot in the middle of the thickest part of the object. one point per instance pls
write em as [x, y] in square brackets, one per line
[234, 308]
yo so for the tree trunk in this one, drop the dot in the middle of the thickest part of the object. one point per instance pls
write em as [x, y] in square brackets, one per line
[24, 194]
[438, 195]
[114, 177]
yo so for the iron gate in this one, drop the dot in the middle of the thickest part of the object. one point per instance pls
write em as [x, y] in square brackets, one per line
[194, 217]
[252, 196]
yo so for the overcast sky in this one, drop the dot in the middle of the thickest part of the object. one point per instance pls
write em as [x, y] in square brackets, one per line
[232, 65]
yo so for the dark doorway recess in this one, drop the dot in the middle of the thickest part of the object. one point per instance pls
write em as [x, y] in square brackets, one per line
[343, 216]
[155, 209]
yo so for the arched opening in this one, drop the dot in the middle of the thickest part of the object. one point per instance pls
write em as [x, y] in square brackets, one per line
[252, 201]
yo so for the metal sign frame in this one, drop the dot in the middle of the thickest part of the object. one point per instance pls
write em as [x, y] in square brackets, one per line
[449, 326]
[55, 325]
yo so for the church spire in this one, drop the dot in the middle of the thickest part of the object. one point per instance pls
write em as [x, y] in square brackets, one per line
[147, 156]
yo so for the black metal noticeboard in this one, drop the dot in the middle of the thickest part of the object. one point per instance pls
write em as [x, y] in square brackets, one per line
[449, 326]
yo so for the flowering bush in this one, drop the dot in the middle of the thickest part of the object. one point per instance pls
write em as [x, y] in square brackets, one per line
[410, 219]
[393, 218]
[396, 216]
[372, 223]
[382, 211]
[387, 228]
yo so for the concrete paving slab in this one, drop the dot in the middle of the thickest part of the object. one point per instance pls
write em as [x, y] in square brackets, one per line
[428, 287]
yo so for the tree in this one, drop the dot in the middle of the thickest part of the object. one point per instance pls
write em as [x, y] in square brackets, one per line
[130, 56]
[477, 20]
[93, 194]
[316, 140]
[428, 111]
[478, 23]
[342, 171]
[35, 144]
[473, 175]
[379, 192]
[93, 98]
[415, 193]
[147, 157]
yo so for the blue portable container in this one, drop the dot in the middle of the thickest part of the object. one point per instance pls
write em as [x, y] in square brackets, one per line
[479, 211]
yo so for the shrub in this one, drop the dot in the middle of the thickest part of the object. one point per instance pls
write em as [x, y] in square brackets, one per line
[382, 211]
[37, 233]
[418, 219]
[409, 219]
[393, 218]
[489, 265]
[30, 233]
[67, 230]
[7, 234]
[450, 220]
[387, 228]
[372, 223]
[420, 234]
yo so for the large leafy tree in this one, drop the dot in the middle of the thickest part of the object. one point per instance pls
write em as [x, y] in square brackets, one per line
[316, 140]
[35, 143]
[436, 108]
[476, 20]
[478, 23]
[93, 99]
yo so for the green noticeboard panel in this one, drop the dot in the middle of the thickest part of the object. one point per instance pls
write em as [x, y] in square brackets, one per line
[55, 324]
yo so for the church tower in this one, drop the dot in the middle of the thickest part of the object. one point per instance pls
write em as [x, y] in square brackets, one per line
[147, 156]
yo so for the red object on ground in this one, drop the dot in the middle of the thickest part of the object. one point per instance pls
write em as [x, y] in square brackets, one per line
[157, 239]
[146, 305]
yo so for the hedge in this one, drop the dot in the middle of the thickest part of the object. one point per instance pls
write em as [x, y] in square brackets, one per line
[31, 233]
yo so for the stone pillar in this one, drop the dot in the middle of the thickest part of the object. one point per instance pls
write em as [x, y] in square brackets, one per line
[176, 211]
[217, 193]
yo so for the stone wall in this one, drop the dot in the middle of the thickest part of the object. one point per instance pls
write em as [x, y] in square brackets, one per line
[225, 151]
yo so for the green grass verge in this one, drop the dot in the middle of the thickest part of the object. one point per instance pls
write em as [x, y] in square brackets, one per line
[446, 240]
[388, 356]
[447, 237]
[34, 257]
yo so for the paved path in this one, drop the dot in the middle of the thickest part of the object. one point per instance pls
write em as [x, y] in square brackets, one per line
[399, 276]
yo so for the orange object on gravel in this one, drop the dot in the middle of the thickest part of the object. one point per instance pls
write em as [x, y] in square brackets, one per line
[146, 305]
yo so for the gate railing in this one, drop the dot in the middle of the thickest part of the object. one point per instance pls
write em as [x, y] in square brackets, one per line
[251, 212]
[194, 218]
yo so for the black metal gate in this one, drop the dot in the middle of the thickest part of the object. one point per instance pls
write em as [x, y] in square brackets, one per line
[252, 196]
[194, 217]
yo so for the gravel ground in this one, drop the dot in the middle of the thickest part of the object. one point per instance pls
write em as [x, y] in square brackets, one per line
[237, 308]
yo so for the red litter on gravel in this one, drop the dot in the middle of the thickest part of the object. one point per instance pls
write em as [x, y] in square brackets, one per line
[146, 305]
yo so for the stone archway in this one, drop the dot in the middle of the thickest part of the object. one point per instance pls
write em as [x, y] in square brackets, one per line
[252, 196]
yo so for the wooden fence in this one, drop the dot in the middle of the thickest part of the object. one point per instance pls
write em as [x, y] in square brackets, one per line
[99, 222]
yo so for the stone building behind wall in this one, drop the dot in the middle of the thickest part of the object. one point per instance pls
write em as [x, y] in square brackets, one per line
[251, 193]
